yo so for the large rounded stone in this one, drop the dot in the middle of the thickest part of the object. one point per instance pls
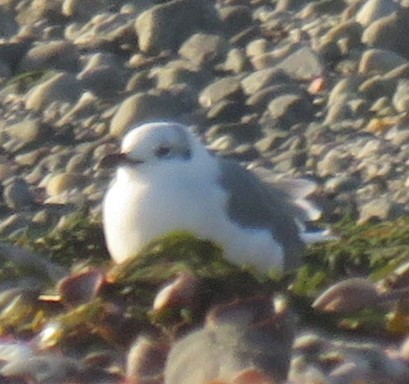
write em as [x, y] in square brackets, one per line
[143, 107]
[227, 88]
[61, 87]
[204, 49]
[61, 55]
[167, 25]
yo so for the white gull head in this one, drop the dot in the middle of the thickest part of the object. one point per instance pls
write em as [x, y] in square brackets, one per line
[167, 181]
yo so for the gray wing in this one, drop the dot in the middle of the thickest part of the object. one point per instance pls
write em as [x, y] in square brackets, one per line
[254, 204]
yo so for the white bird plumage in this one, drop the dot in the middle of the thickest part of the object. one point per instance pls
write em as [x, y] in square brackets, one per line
[166, 181]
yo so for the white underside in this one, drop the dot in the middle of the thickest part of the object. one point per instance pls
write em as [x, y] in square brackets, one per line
[146, 203]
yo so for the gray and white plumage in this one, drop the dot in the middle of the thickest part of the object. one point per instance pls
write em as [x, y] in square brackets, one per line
[167, 181]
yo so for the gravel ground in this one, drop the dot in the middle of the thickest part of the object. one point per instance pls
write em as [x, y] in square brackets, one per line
[316, 89]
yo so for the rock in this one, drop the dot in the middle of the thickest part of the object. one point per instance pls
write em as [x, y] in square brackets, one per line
[227, 88]
[235, 18]
[291, 109]
[84, 9]
[17, 194]
[260, 99]
[373, 10]
[145, 106]
[304, 64]
[262, 78]
[236, 61]
[204, 50]
[63, 182]
[60, 55]
[8, 25]
[380, 60]
[25, 132]
[62, 87]
[103, 81]
[387, 31]
[400, 99]
[165, 26]
[333, 162]
[12, 52]
[380, 209]
[179, 72]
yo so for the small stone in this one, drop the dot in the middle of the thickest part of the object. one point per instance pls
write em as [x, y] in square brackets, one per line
[227, 88]
[165, 26]
[62, 87]
[373, 10]
[380, 209]
[333, 162]
[17, 194]
[143, 107]
[291, 109]
[387, 31]
[263, 78]
[380, 60]
[304, 64]
[61, 55]
[400, 99]
[204, 49]
[63, 182]
[25, 132]
[236, 61]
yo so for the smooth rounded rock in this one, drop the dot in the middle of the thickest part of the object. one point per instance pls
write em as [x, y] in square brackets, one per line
[17, 194]
[204, 49]
[227, 88]
[143, 107]
[62, 87]
[60, 55]
[165, 26]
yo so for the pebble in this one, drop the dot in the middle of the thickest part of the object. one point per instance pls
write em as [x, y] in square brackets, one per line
[17, 194]
[62, 87]
[204, 50]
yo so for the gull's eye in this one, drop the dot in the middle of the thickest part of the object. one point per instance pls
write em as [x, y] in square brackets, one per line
[163, 150]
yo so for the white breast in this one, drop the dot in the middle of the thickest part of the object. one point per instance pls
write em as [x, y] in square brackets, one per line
[138, 209]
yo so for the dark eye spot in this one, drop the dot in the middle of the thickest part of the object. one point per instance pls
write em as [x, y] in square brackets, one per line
[162, 151]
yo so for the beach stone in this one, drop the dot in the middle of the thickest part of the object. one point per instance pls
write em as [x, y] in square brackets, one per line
[376, 87]
[84, 9]
[341, 183]
[333, 162]
[263, 78]
[204, 49]
[8, 25]
[62, 182]
[260, 99]
[12, 52]
[49, 12]
[400, 99]
[291, 109]
[227, 88]
[17, 194]
[380, 60]
[235, 18]
[139, 81]
[61, 55]
[179, 72]
[349, 32]
[387, 31]
[26, 131]
[225, 111]
[303, 64]
[379, 209]
[236, 61]
[373, 10]
[61, 87]
[166, 26]
[103, 81]
[143, 107]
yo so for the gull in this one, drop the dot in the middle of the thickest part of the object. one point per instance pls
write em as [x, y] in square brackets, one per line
[166, 180]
